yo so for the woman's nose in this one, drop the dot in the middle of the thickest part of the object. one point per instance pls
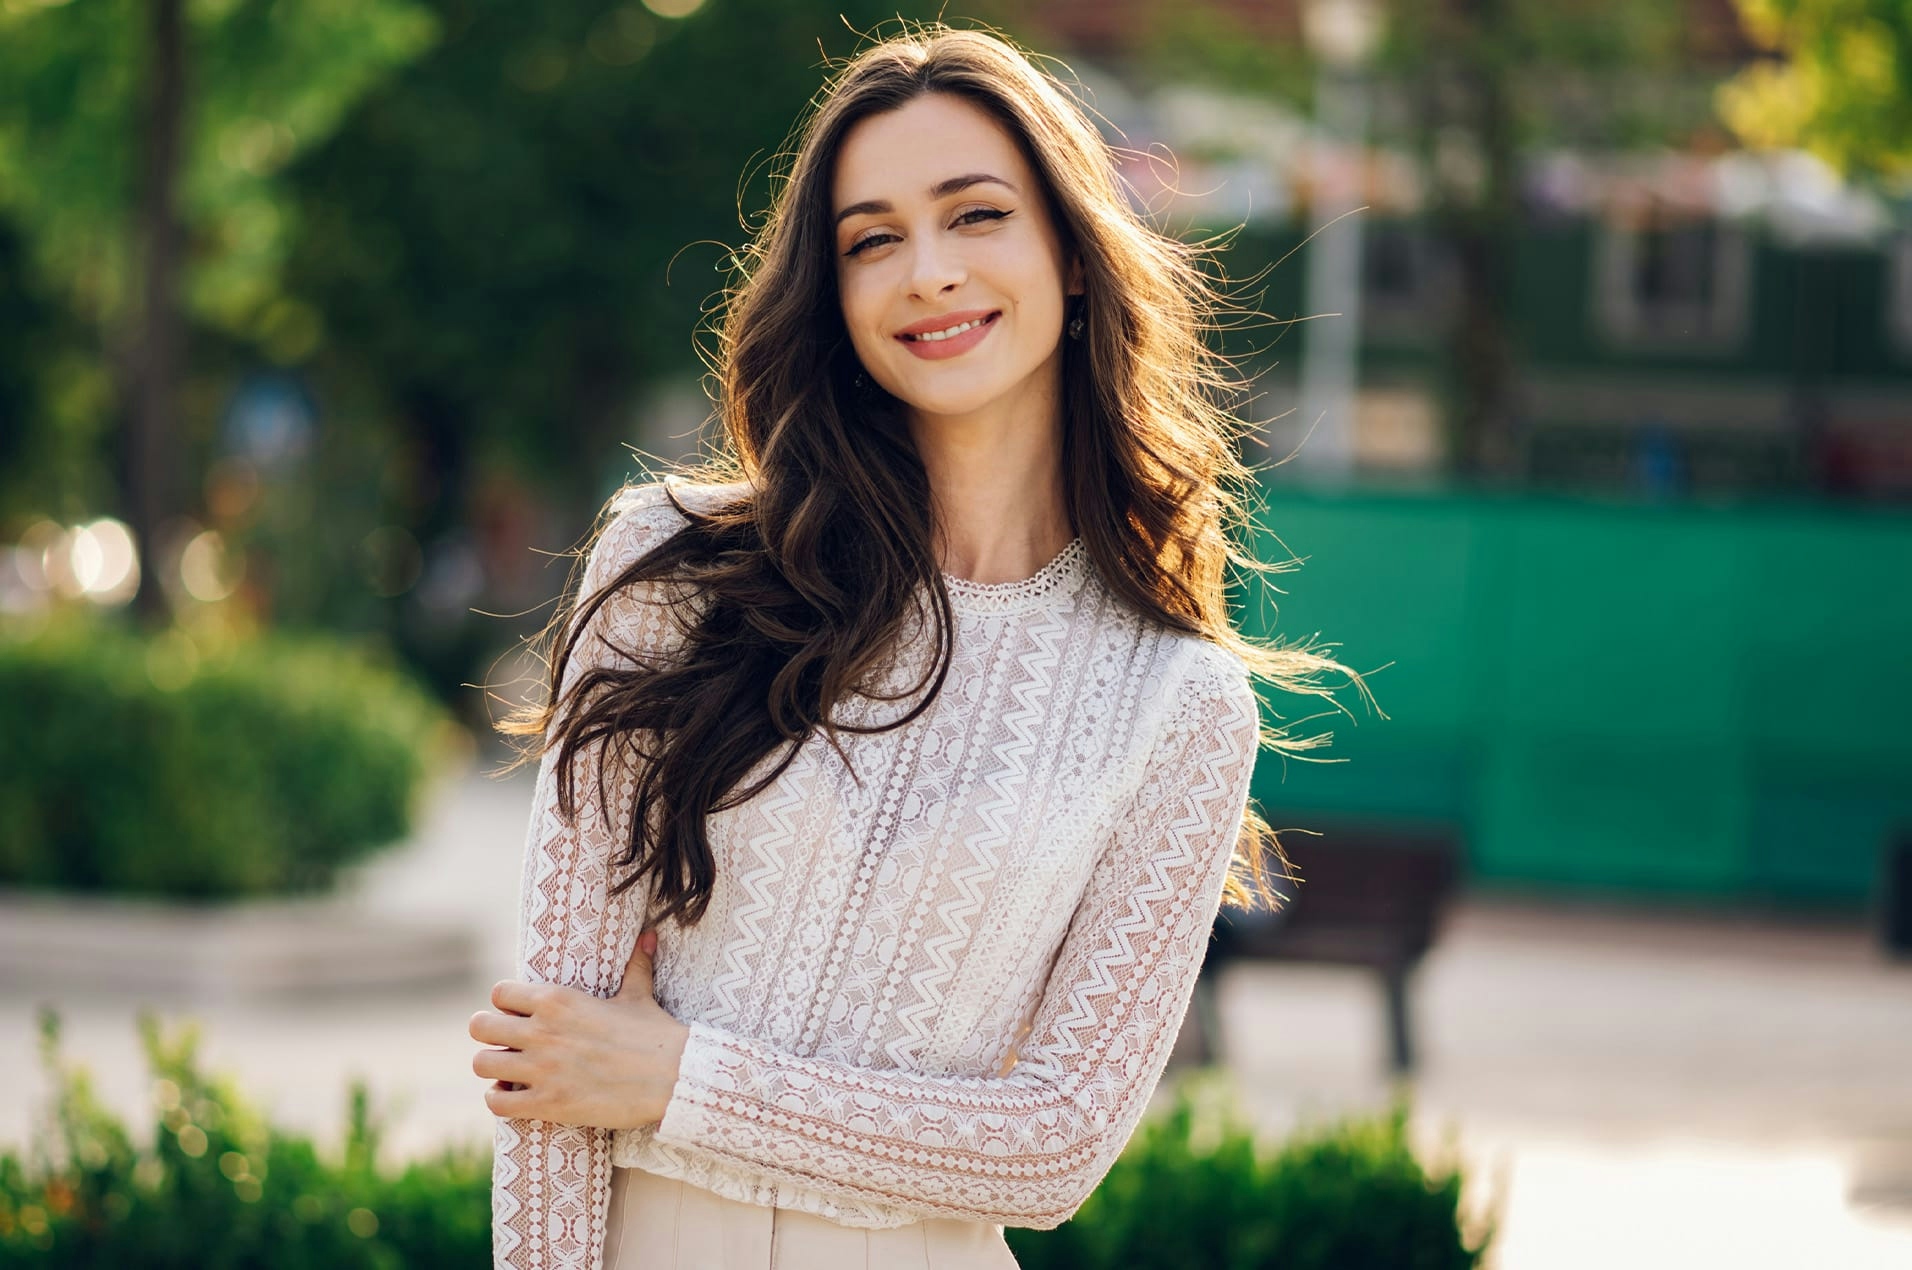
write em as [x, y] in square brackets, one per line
[934, 268]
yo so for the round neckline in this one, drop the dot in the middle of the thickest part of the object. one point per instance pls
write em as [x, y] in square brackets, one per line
[1060, 577]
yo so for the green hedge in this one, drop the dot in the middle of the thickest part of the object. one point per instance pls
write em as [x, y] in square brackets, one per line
[1193, 1191]
[217, 1187]
[143, 767]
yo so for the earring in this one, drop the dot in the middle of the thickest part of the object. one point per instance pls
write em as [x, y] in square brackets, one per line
[1075, 326]
[861, 384]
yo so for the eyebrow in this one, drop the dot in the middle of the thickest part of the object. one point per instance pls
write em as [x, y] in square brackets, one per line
[942, 189]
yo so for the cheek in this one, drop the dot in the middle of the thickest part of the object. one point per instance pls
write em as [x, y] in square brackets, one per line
[1031, 271]
[860, 309]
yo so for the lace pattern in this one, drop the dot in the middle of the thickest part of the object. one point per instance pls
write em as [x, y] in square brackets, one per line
[942, 979]
[1061, 576]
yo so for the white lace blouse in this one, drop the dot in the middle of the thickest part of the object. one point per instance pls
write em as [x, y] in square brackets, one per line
[944, 986]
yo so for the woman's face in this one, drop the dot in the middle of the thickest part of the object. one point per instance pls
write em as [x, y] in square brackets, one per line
[941, 221]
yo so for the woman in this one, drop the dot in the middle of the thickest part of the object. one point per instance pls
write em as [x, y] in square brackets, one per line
[928, 701]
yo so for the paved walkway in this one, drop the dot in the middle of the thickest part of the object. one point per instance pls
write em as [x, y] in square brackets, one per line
[1648, 1091]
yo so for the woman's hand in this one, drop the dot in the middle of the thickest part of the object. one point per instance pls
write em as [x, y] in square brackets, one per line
[579, 1059]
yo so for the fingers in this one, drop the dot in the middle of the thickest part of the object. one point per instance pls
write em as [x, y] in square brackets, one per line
[508, 1095]
[510, 1103]
[638, 971]
[507, 1066]
[515, 996]
[498, 1029]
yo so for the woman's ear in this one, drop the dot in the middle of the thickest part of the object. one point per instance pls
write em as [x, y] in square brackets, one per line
[1076, 285]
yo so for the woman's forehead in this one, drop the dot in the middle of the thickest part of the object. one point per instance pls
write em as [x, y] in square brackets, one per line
[906, 153]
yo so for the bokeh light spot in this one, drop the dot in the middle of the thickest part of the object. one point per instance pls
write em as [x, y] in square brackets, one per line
[207, 570]
[104, 562]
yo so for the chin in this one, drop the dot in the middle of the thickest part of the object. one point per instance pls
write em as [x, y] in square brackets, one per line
[956, 396]
[950, 403]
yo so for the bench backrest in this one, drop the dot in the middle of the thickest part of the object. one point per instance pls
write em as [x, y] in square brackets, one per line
[1367, 892]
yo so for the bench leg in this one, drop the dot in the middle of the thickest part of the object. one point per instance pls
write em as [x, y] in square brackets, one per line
[1400, 1043]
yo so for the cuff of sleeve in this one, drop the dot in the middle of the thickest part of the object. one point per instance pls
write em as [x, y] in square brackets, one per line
[688, 1119]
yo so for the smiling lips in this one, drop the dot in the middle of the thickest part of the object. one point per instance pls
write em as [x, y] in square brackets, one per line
[950, 335]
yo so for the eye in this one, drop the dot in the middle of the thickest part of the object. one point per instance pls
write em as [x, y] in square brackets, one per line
[988, 213]
[861, 243]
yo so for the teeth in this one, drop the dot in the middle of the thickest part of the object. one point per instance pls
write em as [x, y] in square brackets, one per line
[954, 330]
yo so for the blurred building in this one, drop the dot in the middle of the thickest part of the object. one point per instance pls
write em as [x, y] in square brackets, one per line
[1691, 318]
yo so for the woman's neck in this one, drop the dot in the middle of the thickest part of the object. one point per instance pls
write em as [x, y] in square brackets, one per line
[999, 496]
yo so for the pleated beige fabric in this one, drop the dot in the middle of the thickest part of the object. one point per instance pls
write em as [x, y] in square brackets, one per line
[661, 1223]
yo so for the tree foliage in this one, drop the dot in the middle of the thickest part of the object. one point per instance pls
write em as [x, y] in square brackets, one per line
[265, 82]
[1840, 84]
[268, 82]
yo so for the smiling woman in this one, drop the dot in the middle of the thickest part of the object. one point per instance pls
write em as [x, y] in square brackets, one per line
[809, 977]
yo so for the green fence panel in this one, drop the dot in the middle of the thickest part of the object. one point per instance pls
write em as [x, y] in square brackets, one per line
[1684, 699]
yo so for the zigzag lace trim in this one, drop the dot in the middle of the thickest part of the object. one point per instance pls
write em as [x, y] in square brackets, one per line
[1061, 577]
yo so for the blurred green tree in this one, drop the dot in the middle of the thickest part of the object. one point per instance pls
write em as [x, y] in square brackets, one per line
[142, 145]
[1840, 83]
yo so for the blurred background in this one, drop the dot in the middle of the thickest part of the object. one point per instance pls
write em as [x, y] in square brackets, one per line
[1581, 383]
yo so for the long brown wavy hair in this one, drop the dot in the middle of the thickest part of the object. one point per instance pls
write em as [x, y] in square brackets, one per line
[802, 584]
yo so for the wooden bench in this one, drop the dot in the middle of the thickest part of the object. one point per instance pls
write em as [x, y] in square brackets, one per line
[1370, 894]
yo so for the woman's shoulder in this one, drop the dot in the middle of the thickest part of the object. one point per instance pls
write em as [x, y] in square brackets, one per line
[653, 499]
[1212, 681]
[645, 513]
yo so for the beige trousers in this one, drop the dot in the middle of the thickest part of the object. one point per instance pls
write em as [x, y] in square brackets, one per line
[660, 1223]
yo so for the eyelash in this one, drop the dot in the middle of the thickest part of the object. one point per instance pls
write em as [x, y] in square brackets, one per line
[989, 212]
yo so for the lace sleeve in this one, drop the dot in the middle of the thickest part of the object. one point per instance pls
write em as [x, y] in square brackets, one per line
[1025, 1148]
[550, 1183]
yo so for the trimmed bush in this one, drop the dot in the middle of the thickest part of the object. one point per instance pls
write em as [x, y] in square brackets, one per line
[142, 767]
[218, 1188]
[1194, 1192]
